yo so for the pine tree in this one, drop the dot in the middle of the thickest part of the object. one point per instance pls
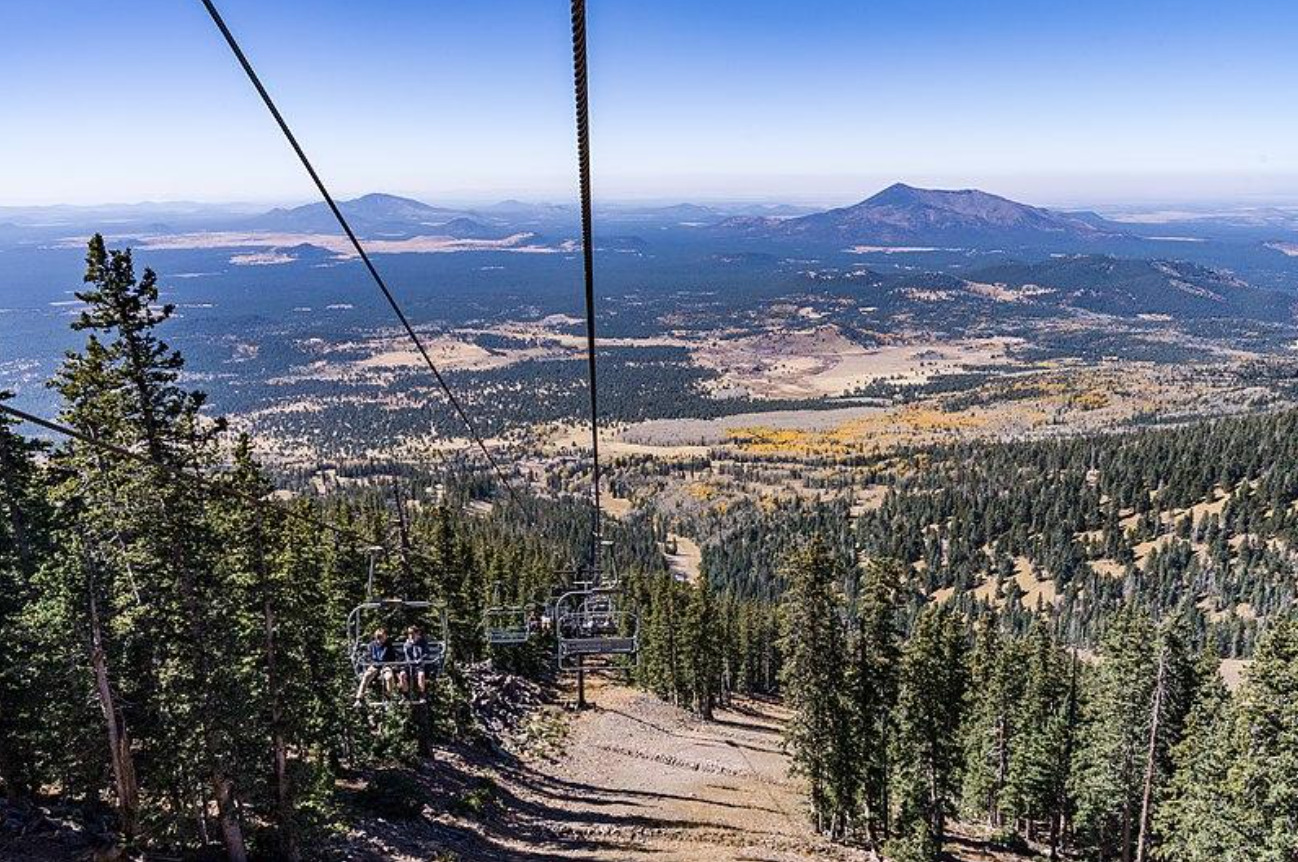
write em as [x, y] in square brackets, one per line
[1264, 777]
[24, 543]
[1039, 765]
[1134, 717]
[155, 533]
[929, 713]
[875, 665]
[818, 730]
[1199, 819]
[702, 636]
[991, 727]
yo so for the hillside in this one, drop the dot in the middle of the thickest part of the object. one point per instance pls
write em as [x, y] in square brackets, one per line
[1125, 287]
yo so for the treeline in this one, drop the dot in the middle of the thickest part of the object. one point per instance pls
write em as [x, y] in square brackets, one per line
[1136, 752]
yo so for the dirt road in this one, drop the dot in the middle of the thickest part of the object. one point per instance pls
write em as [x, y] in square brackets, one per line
[641, 780]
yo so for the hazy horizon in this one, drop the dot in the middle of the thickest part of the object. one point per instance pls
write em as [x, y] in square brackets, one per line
[1081, 105]
[1283, 195]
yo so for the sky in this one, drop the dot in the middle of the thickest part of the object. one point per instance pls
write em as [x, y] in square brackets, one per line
[1053, 102]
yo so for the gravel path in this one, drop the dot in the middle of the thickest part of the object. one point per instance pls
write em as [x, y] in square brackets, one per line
[642, 780]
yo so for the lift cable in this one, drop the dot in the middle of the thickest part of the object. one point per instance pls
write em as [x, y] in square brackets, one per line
[360, 249]
[579, 76]
[204, 484]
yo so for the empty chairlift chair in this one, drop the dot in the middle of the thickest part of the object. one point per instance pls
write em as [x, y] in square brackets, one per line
[509, 625]
[593, 632]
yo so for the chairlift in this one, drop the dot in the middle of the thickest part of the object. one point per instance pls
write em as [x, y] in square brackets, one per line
[593, 632]
[398, 673]
[509, 625]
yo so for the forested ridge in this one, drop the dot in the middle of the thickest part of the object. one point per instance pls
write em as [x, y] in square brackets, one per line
[1205, 514]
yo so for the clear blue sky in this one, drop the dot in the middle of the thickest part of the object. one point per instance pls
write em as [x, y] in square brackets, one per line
[1051, 100]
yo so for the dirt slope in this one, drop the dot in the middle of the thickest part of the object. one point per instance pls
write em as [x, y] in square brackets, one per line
[641, 780]
[636, 779]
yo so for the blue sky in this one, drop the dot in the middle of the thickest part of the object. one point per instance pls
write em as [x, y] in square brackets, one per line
[1050, 101]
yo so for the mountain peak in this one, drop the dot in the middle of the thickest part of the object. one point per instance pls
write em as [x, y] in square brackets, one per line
[904, 214]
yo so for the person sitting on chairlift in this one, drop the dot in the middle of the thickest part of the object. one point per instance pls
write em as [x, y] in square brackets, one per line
[381, 655]
[417, 653]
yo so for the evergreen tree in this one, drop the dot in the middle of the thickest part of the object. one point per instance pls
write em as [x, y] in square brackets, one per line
[991, 728]
[1199, 820]
[1264, 777]
[875, 660]
[152, 529]
[1045, 715]
[703, 639]
[929, 713]
[1135, 715]
[24, 544]
[818, 730]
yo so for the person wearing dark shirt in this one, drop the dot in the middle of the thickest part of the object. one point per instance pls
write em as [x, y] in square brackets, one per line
[381, 655]
[417, 655]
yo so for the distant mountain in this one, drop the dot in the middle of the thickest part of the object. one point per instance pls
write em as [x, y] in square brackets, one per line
[370, 214]
[905, 215]
[685, 212]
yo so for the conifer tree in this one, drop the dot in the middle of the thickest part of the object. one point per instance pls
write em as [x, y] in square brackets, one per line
[1134, 716]
[703, 638]
[818, 730]
[24, 544]
[156, 534]
[1040, 765]
[875, 660]
[1264, 777]
[1199, 819]
[992, 721]
[929, 713]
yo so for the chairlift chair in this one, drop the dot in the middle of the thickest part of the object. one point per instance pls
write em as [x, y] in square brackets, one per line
[395, 615]
[509, 625]
[593, 632]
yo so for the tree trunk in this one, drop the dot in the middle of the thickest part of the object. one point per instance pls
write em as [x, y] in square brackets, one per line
[12, 771]
[279, 746]
[119, 738]
[1146, 799]
[227, 812]
[1126, 831]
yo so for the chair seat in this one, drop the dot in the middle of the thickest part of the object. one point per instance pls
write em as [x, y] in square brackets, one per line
[598, 646]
